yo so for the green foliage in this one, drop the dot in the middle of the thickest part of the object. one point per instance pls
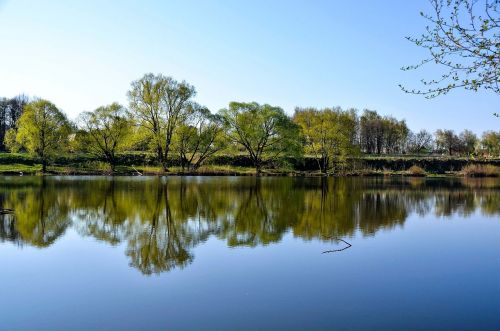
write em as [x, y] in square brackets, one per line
[43, 130]
[329, 134]
[264, 131]
[105, 132]
[198, 137]
[10, 141]
[490, 142]
[159, 104]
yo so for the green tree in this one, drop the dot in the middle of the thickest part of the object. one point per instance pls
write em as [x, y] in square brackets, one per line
[462, 37]
[198, 137]
[468, 142]
[491, 142]
[159, 104]
[10, 141]
[330, 134]
[105, 130]
[264, 131]
[43, 130]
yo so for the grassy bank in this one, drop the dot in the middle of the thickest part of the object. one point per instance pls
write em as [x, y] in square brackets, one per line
[233, 165]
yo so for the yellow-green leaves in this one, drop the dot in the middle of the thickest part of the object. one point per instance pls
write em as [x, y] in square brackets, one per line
[43, 130]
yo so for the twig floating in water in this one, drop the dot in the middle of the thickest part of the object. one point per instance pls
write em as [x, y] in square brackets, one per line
[340, 249]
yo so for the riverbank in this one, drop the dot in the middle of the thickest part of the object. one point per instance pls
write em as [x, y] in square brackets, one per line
[19, 169]
[240, 165]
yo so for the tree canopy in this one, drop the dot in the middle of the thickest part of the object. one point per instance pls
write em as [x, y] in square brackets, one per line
[328, 133]
[264, 131]
[159, 104]
[43, 130]
[105, 131]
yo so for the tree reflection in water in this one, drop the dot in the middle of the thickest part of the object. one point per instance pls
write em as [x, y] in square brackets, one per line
[160, 220]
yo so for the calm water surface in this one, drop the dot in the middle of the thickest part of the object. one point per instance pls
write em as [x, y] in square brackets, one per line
[224, 253]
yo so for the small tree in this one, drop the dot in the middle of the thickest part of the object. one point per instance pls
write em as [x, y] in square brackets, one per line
[447, 140]
[105, 130]
[463, 39]
[420, 141]
[468, 142]
[43, 130]
[263, 131]
[198, 137]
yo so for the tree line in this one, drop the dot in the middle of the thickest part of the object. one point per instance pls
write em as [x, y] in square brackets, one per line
[163, 117]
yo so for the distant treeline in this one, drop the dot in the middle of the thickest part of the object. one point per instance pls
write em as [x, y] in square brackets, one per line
[163, 118]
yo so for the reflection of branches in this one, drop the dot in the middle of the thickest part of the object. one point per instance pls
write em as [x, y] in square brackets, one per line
[8, 231]
[159, 244]
[340, 249]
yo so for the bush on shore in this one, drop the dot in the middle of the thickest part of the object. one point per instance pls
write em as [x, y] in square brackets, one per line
[480, 170]
[416, 171]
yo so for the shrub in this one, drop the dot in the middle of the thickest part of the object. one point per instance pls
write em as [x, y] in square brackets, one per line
[479, 170]
[416, 171]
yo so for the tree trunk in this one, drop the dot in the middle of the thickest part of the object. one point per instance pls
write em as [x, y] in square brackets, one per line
[258, 169]
[44, 165]
[161, 158]
[324, 165]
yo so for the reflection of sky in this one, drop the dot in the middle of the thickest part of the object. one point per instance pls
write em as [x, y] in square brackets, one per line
[430, 272]
[83, 54]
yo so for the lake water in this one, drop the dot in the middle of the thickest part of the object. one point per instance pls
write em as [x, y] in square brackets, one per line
[244, 253]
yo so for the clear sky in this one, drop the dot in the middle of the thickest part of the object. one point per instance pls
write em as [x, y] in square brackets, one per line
[83, 54]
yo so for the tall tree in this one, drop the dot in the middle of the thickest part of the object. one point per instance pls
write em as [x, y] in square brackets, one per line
[105, 130]
[463, 38]
[159, 104]
[263, 131]
[371, 132]
[43, 130]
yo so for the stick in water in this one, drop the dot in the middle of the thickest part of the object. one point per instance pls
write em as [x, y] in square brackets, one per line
[340, 249]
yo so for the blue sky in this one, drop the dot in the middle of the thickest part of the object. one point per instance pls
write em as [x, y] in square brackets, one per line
[83, 54]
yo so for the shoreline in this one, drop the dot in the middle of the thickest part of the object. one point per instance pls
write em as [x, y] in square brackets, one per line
[134, 164]
[249, 173]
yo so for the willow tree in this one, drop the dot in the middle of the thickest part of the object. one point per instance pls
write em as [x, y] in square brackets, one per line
[330, 135]
[463, 39]
[159, 104]
[43, 130]
[105, 130]
[264, 131]
[199, 137]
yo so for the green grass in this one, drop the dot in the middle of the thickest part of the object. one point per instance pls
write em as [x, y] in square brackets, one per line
[19, 168]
